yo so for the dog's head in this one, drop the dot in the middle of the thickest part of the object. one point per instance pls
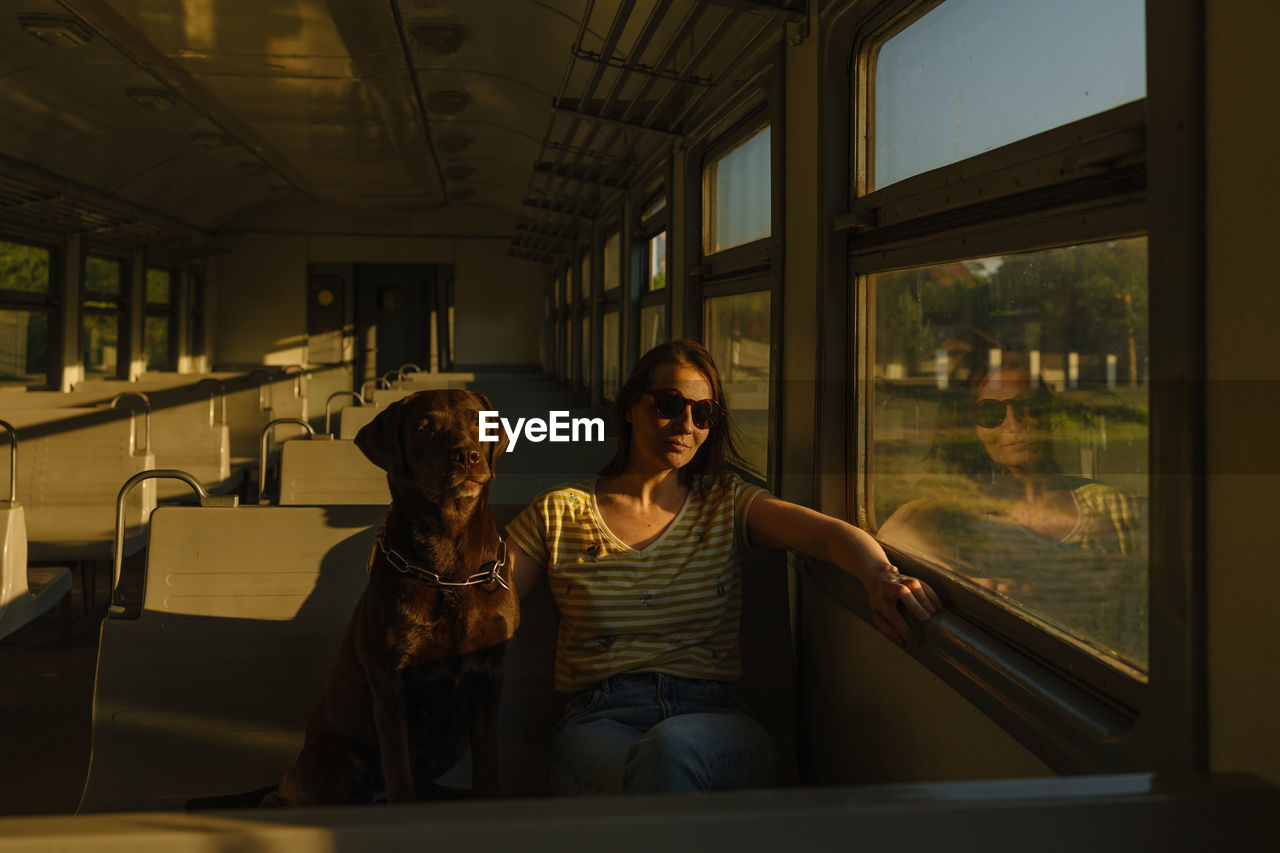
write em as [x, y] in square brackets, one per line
[429, 444]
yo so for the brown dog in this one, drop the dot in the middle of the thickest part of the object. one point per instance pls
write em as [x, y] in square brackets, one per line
[420, 665]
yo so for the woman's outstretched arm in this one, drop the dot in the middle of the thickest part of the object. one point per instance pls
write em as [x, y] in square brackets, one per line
[775, 523]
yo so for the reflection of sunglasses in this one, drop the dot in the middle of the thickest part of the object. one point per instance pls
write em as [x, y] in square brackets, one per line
[992, 413]
[670, 403]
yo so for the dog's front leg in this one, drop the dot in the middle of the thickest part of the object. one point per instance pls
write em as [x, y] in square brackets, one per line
[483, 723]
[391, 721]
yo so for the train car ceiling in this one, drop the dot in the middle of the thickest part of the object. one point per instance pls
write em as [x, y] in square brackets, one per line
[142, 122]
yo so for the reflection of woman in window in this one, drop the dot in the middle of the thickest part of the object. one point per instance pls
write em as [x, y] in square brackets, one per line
[1008, 518]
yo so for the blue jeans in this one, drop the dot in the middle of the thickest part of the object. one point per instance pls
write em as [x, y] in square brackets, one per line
[646, 732]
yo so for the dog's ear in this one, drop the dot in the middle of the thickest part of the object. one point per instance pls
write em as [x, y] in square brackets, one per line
[380, 438]
[496, 447]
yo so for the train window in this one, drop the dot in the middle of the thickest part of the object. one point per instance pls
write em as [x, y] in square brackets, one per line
[737, 194]
[736, 331]
[586, 348]
[195, 315]
[972, 75]
[612, 257]
[157, 325]
[102, 319]
[611, 348]
[585, 266]
[26, 309]
[653, 326]
[997, 250]
[1010, 433]
[657, 278]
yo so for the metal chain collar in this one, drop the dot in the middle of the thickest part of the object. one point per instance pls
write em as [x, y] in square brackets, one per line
[492, 574]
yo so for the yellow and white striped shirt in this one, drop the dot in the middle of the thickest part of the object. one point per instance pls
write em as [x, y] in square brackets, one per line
[673, 606]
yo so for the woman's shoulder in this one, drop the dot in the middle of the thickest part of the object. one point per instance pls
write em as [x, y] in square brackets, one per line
[566, 494]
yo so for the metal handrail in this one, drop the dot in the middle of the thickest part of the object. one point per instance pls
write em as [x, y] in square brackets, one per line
[146, 402]
[117, 558]
[327, 429]
[13, 461]
[389, 373]
[375, 380]
[405, 367]
[264, 382]
[297, 378]
[262, 450]
[222, 395]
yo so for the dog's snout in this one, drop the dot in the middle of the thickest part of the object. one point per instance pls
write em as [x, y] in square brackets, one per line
[465, 456]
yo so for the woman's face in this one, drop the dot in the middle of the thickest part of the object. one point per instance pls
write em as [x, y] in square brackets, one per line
[1006, 418]
[666, 443]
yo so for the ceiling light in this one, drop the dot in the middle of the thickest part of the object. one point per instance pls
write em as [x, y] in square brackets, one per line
[437, 39]
[447, 103]
[57, 30]
[462, 193]
[459, 172]
[211, 140]
[453, 143]
[152, 99]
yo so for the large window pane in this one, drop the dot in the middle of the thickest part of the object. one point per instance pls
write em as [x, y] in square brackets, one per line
[653, 327]
[24, 347]
[610, 354]
[612, 257]
[736, 194]
[1010, 430]
[100, 335]
[658, 261]
[586, 351]
[156, 343]
[103, 279]
[737, 335]
[159, 289]
[24, 268]
[972, 75]
[585, 267]
[571, 357]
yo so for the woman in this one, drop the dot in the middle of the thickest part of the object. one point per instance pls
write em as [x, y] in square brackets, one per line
[644, 564]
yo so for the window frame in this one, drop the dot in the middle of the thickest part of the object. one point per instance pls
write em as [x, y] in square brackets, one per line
[121, 312]
[48, 303]
[1075, 722]
[645, 230]
[167, 310]
[756, 266]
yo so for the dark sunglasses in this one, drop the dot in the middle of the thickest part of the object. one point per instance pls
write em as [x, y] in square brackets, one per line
[670, 403]
[992, 413]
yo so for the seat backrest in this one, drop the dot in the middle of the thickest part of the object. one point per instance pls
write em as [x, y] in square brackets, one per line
[13, 554]
[335, 473]
[353, 418]
[208, 691]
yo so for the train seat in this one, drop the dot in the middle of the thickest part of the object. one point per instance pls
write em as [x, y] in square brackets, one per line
[71, 464]
[26, 592]
[352, 418]
[331, 473]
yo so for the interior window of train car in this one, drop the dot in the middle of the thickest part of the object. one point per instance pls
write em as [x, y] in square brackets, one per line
[157, 331]
[997, 236]
[26, 312]
[195, 315]
[652, 262]
[736, 281]
[736, 202]
[611, 257]
[102, 329]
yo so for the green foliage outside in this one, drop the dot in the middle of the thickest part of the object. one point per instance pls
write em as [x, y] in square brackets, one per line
[24, 268]
[158, 287]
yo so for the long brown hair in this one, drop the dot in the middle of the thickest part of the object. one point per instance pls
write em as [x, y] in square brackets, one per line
[717, 453]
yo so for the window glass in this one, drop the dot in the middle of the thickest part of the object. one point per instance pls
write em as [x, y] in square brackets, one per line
[556, 289]
[653, 327]
[585, 266]
[103, 280]
[658, 261]
[100, 336]
[570, 284]
[155, 342]
[972, 75]
[24, 268]
[609, 360]
[737, 335]
[195, 315]
[159, 291]
[24, 347]
[612, 255]
[1010, 430]
[571, 358]
[736, 194]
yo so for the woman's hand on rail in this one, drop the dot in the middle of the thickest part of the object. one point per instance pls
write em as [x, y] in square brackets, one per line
[886, 588]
